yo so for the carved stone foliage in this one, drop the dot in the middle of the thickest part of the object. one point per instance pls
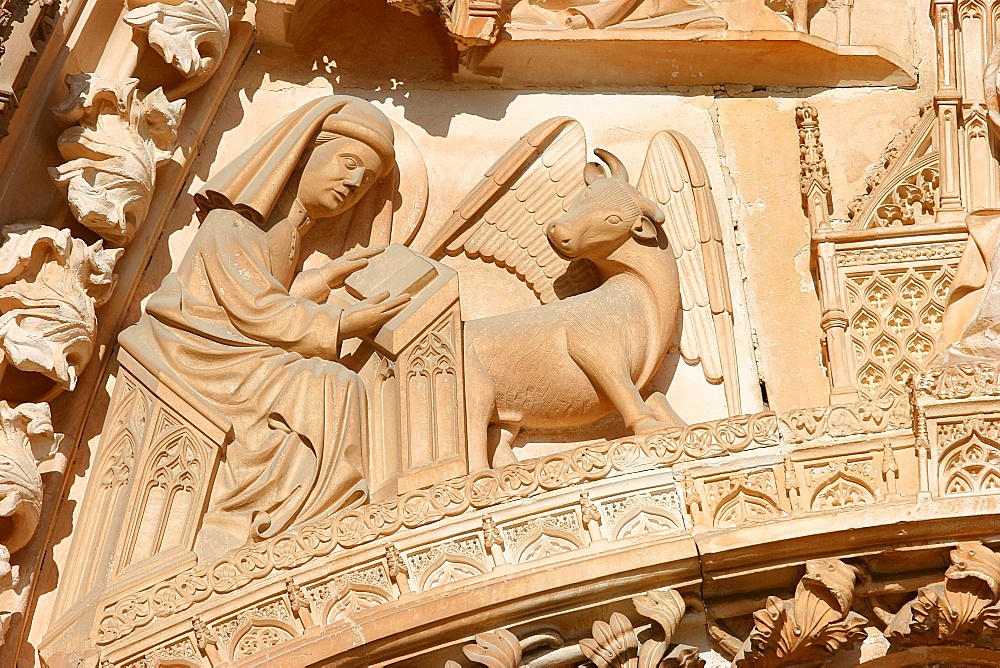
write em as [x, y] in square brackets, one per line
[190, 35]
[964, 608]
[113, 151]
[617, 644]
[26, 438]
[959, 381]
[496, 649]
[50, 284]
[816, 622]
[863, 417]
[613, 644]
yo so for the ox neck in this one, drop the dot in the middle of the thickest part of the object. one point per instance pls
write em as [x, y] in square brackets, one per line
[649, 264]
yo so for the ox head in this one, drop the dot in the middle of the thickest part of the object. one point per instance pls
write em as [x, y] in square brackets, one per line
[605, 215]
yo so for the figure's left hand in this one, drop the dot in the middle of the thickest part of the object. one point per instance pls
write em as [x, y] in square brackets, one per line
[335, 272]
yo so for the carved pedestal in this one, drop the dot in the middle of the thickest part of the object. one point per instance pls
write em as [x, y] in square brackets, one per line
[143, 507]
[416, 389]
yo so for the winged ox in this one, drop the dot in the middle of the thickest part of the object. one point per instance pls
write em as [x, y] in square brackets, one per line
[617, 269]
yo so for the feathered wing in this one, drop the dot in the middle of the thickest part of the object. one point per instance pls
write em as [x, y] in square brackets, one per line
[675, 177]
[503, 218]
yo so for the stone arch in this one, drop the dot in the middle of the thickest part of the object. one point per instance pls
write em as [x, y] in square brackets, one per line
[645, 518]
[449, 567]
[168, 497]
[842, 491]
[970, 465]
[743, 505]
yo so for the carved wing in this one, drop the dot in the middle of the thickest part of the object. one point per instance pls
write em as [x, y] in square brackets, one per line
[503, 219]
[675, 177]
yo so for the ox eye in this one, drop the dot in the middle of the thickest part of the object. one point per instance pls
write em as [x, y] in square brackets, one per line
[614, 220]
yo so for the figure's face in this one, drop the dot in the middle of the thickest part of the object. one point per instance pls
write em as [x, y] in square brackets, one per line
[336, 175]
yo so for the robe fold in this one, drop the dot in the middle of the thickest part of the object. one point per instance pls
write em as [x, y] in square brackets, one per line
[226, 328]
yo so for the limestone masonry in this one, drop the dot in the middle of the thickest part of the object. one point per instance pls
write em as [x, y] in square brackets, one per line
[503, 333]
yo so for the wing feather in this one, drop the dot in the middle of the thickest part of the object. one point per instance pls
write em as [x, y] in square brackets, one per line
[675, 177]
[503, 219]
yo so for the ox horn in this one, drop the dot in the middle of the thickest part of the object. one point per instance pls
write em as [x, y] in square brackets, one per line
[618, 171]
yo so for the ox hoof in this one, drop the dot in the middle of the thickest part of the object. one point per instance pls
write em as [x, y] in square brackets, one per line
[651, 425]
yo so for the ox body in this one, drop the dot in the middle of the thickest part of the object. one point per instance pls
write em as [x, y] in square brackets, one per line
[574, 361]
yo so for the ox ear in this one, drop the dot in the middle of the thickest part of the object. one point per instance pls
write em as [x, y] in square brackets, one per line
[644, 229]
[593, 172]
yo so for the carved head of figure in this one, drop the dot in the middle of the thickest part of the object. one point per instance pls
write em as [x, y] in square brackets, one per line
[327, 154]
[605, 215]
[351, 152]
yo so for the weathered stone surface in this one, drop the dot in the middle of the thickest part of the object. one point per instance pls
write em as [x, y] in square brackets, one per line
[507, 334]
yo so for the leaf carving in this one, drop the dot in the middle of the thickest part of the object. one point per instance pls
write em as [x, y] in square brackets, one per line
[614, 645]
[817, 620]
[962, 608]
[26, 438]
[113, 153]
[50, 285]
[496, 649]
[190, 35]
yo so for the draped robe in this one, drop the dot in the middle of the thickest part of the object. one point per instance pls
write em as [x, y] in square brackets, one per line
[226, 327]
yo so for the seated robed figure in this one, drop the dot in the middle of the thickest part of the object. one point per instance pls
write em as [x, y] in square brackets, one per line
[236, 327]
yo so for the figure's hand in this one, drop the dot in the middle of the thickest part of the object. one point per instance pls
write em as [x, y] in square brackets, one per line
[335, 272]
[368, 315]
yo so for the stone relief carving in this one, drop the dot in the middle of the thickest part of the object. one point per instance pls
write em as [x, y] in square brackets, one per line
[113, 152]
[361, 526]
[817, 621]
[599, 14]
[576, 221]
[190, 35]
[300, 457]
[613, 644]
[963, 608]
[26, 439]
[50, 284]
[863, 417]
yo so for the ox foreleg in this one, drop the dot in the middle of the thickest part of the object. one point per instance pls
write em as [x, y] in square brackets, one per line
[612, 379]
